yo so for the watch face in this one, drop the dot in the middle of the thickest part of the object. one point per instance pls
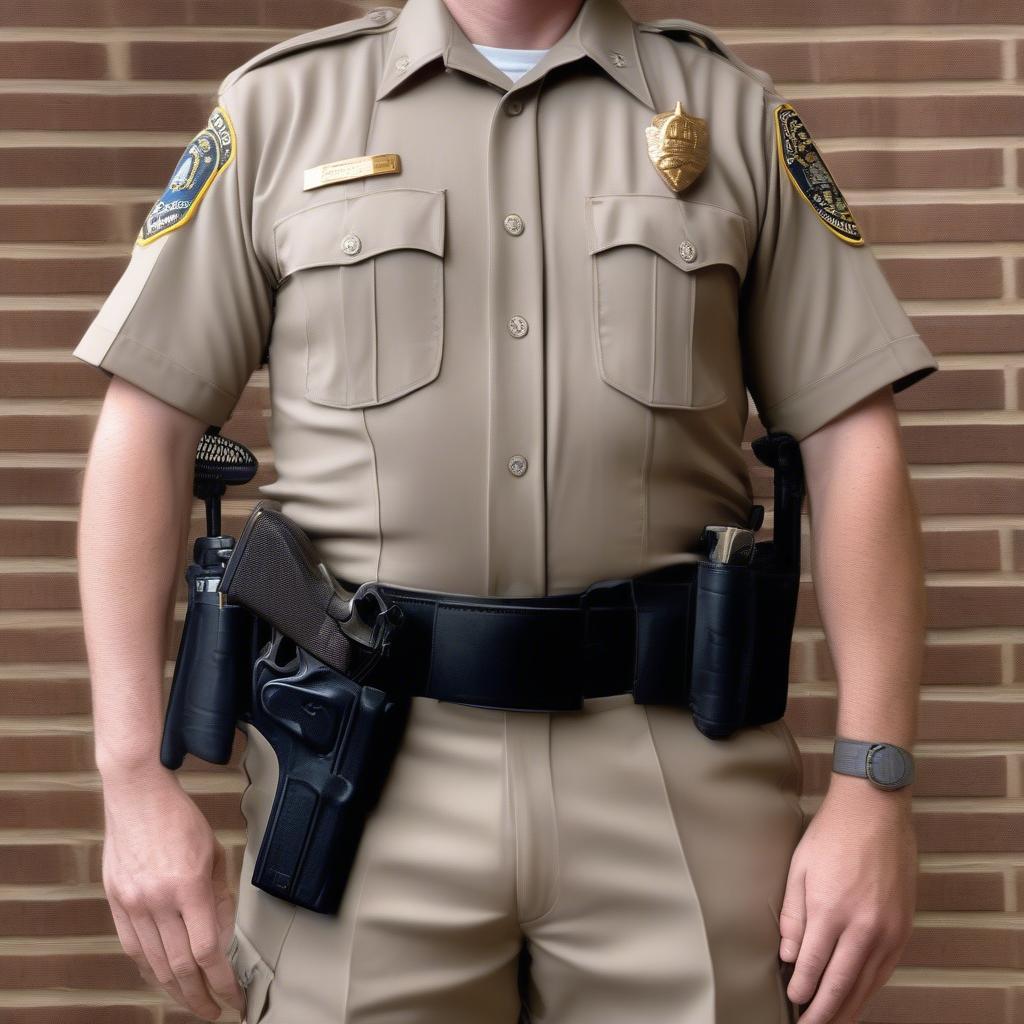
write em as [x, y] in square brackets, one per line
[887, 766]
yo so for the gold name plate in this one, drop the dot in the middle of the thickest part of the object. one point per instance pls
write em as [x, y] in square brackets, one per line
[353, 167]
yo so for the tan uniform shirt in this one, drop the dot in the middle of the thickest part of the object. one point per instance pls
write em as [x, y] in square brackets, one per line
[519, 364]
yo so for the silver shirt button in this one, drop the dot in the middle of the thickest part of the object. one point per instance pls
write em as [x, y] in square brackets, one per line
[687, 250]
[351, 244]
[517, 465]
[517, 326]
[514, 224]
[402, 63]
[378, 14]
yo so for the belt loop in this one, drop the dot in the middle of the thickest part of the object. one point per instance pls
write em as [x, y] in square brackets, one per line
[609, 636]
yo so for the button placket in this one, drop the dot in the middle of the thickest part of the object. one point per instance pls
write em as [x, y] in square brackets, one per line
[517, 521]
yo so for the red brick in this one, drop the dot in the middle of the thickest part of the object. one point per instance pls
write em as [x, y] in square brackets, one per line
[911, 116]
[833, 13]
[896, 60]
[53, 58]
[160, 112]
[961, 550]
[183, 61]
[981, 332]
[945, 278]
[955, 389]
[38, 379]
[969, 495]
[864, 168]
[39, 328]
[61, 276]
[49, 696]
[941, 889]
[957, 444]
[941, 222]
[91, 167]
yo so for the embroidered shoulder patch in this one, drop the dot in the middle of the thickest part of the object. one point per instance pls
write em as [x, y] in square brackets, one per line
[209, 152]
[811, 177]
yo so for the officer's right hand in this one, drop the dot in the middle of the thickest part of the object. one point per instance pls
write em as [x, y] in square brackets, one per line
[164, 876]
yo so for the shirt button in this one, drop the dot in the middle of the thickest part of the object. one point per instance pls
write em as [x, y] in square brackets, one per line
[402, 63]
[517, 465]
[378, 14]
[351, 244]
[514, 107]
[514, 224]
[517, 326]
[687, 250]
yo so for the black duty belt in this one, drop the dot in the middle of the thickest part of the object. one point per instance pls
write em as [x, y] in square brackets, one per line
[546, 653]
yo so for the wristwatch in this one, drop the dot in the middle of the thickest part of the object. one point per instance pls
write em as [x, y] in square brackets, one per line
[884, 764]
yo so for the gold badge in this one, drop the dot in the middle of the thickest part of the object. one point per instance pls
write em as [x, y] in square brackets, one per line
[353, 167]
[677, 144]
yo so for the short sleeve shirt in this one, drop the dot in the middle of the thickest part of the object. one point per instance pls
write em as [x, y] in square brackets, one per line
[507, 354]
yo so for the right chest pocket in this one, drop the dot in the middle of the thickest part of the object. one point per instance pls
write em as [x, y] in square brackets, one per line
[370, 269]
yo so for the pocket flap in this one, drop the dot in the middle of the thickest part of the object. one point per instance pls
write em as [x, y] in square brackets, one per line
[665, 225]
[392, 218]
[253, 972]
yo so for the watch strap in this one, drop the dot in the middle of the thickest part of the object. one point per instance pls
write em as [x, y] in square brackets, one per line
[885, 764]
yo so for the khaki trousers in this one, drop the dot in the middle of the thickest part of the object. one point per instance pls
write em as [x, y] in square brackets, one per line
[642, 865]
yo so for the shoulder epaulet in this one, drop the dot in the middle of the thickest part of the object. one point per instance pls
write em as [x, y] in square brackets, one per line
[701, 35]
[373, 21]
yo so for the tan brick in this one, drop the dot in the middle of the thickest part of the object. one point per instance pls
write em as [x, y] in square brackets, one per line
[896, 60]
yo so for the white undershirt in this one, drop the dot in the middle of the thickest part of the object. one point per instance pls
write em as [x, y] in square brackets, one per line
[515, 63]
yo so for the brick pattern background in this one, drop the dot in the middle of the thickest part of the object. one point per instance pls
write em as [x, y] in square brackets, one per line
[919, 108]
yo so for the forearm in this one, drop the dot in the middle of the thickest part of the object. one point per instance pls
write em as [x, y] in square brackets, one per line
[867, 567]
[134, 519]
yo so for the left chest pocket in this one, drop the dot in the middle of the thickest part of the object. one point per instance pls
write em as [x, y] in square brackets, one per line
[370, 269]
[664, 288]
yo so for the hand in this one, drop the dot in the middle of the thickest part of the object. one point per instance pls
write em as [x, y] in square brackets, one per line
[849, 903]
[165, 879]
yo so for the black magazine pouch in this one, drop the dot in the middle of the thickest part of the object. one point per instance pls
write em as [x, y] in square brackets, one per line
[745, 612]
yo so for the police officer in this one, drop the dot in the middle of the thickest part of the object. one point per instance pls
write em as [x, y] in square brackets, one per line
[510, 323]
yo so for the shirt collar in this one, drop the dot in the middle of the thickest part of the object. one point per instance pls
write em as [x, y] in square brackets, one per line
[601, 30]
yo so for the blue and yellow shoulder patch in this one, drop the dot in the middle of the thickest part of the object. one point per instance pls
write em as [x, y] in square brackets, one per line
[811, 177]
[209, 152]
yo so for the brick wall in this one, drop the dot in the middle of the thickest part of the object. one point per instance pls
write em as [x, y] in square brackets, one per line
[919, 108]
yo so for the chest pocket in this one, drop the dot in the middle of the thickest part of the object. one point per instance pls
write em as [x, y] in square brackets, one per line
[665, 286]
[370, 268]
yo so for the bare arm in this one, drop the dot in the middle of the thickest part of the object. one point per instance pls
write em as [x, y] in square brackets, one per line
[163, 870]
[850, 894]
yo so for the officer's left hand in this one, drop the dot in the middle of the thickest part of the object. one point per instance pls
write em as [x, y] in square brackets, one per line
[849, 903]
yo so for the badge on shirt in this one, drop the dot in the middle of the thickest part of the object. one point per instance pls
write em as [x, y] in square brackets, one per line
[677, 144]
[209, 152]
[810, 176]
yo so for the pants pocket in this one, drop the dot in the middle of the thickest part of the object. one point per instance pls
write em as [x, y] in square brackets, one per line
[254, 975]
